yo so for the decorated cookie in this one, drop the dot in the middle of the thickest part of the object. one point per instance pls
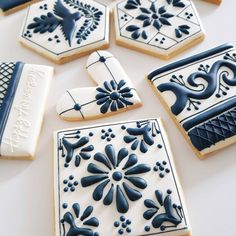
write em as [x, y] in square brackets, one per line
[63, 30]
[117, 179]
[200, 93]
[161, 28]
[11, 6]
[114, 91]
[23, 92]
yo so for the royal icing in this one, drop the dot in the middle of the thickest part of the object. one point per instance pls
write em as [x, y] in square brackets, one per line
[7, 5]
[117, 179]
[160, 27]
[60, 29]
[23, 92]
[200, 92]
[114, 91]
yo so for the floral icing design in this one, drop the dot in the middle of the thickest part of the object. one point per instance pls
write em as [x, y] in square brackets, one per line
[113, 96]
[142, 136]
[156, 16]
[163, 212]
[176, 3]
[62, 17]
[123, 225]
[79, 150]
[79, 225]
[117, 175]
[70, 184]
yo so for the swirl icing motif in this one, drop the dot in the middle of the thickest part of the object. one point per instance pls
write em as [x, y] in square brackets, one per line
[114, 92]
[63, 30]
[200, 93]
[161, 27]
[107, 188]
[23, 92]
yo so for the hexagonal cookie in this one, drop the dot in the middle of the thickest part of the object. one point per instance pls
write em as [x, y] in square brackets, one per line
[161, 28]
[63, 30]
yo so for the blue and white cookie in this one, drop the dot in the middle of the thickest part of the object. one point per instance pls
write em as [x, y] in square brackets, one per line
[10, 6]
[117, 179]
[113, 93]
[199, 92]
[23, 92]
[162, 28]
[63, 30]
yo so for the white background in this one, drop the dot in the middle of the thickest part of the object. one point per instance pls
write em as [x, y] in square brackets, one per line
[26, 187]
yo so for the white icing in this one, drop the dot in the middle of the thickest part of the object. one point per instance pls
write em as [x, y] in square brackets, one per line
[154, 43]
[97, 37]
[100, 73]
[25, 118]
[107, 215]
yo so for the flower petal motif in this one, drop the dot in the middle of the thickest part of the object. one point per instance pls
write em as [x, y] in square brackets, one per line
[69, 219]
[113, 179]
[80, 146]
[170, 213]
[115, 95]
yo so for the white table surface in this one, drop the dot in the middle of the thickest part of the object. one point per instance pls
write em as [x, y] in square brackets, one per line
[26, 187]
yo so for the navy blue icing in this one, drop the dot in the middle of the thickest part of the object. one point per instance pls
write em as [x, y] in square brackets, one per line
[152, 76]
[114, 179]
[210, 113]
[84, 151]
[85, 220]
[9, 93]
[146, 131]
[6, 5]
[184, 93]
[214, 130]
[171, 213]
[62, 17]
[113, 96]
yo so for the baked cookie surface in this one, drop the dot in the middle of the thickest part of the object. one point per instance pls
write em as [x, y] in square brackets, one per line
[199, 92]
[117, 179]
[23, 92]
[161, 28]
[114, 92]
[63, 30]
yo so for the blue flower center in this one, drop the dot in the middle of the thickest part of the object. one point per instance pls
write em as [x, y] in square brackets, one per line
[154, 16]
[117, 175]
[114, 95]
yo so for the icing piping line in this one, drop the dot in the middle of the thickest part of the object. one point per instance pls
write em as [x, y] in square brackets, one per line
[209, 114]
[9, 97]
[189, 60]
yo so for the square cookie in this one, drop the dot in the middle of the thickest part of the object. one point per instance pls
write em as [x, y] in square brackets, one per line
[199, 92]
[64, 30]
[10, 6]
[117, 179]
[161, 28]
[23, 93]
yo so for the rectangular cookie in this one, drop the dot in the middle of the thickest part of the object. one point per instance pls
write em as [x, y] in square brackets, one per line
[199, 92]
[10, 6]
[23, 92]
[117, 179]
